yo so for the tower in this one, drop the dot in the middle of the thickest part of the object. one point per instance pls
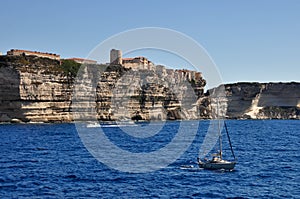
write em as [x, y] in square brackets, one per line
[115, 56]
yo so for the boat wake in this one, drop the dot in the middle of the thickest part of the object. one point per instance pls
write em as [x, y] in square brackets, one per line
[190, 167]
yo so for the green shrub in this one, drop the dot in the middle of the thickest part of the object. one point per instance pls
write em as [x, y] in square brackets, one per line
[70, 67]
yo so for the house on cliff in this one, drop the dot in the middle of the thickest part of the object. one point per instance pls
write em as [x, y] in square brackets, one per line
[133, 63]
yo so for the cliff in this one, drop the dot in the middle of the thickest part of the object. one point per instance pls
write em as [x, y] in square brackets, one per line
[35, 89]
[263, 100]
[142, 94]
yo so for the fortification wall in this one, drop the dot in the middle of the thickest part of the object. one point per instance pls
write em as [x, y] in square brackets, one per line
[35, 53]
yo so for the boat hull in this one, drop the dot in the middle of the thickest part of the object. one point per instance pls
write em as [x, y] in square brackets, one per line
[217, 165]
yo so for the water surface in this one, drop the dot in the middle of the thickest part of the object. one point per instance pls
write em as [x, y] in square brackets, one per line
[50, 161]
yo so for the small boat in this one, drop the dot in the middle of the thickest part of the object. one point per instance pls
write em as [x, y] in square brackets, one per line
[126, 123]
[120, 123]
[217, 162]
[93, 125]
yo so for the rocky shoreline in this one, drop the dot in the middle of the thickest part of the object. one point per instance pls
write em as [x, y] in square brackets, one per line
[35, 89]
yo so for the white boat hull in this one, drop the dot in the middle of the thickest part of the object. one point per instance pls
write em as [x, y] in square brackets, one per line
[111, 124]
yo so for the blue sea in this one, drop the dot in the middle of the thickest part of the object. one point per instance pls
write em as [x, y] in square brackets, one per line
[51, 161]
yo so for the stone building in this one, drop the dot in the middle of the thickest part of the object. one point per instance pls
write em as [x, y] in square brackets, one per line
[115, 56]
[142, 63]
[188, 74]
[133, 63]
[35, 53]
[137, 63]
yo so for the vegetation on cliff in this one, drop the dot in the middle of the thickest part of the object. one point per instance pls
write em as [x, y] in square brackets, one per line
[69, 67]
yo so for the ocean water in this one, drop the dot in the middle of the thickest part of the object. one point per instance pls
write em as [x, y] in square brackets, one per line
[50, 161]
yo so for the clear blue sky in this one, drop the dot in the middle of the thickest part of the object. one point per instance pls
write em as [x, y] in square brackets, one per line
[257, 40]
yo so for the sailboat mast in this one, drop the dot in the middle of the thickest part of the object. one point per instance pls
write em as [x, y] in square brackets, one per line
[229, 141]
[219, 128]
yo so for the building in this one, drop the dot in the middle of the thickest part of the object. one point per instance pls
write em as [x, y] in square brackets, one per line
[83, 61]
[133, 63]
[115, 56]
[17, 52]
[137, 63]
[184, 74]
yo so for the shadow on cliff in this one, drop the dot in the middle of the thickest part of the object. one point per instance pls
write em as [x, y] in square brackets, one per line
[11, 107]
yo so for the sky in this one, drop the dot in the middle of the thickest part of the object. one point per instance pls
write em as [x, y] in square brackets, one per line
[255, 41]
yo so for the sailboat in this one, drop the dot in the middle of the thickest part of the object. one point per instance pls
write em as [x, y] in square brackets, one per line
[217, 162]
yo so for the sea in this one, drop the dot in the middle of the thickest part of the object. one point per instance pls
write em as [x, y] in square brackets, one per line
[53, 161]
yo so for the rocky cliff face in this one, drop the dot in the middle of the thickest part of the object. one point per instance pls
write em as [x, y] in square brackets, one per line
[138, 94]
[263, 100]
[34, 89]
[37, 89]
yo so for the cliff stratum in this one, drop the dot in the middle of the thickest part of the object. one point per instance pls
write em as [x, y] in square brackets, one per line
[263, 100]
[35, 89]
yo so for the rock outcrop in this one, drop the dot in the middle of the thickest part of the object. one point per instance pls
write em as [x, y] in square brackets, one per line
[137, 94]
[35, 89]
[263, 100]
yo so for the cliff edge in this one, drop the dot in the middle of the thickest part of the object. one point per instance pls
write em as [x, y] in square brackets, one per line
[36, 89]
[263, 100]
